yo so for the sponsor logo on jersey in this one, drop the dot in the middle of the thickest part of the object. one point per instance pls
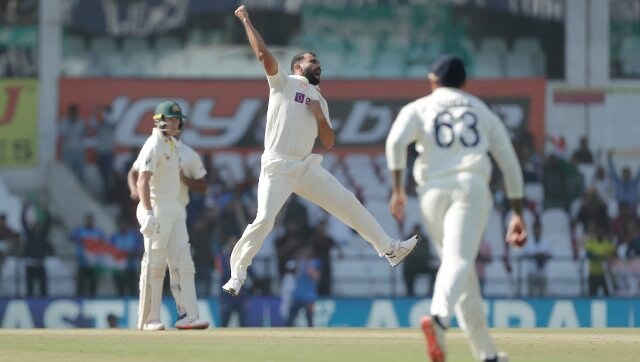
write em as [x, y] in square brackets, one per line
[299, 97]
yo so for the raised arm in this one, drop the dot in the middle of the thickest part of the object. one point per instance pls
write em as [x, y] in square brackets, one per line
[613, 173]
[257, 44]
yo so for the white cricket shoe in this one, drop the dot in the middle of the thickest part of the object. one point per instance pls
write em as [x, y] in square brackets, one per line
[434, 335]
[400, 250]
[192, 323]
[233, 286]
[501, 357]
[153, 326]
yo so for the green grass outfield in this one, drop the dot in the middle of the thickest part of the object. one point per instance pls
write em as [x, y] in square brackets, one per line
[300, 344]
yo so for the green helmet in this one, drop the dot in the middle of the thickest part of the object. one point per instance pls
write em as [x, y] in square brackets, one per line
[168, 109]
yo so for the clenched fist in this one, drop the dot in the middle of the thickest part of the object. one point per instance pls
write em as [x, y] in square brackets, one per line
[242, 13]
[516, 231]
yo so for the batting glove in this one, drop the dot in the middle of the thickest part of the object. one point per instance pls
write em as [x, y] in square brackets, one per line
[149, 224]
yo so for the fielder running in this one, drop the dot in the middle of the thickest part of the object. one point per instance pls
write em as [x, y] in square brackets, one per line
[162, 187]
[453, 132]
[297, 114]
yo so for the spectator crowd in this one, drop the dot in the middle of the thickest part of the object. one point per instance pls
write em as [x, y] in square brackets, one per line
[598, 198]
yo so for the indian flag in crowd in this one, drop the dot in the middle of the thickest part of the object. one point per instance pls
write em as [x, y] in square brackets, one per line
[104, 256]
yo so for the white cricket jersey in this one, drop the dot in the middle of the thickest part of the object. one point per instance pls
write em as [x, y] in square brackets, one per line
[291, 127]
[159, 156]
[191, 165]
[453, 131]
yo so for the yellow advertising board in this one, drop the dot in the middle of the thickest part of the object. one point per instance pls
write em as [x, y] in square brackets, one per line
[18, 122]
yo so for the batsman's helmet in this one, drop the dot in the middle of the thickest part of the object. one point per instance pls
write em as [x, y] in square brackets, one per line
[168, 109]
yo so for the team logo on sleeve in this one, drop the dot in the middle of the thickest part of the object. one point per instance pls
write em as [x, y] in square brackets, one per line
[299, 97]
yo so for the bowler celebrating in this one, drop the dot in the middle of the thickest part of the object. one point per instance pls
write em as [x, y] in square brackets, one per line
[297, 114]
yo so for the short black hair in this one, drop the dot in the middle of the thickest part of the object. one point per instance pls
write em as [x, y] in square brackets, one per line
[298, 57]
[448, 71]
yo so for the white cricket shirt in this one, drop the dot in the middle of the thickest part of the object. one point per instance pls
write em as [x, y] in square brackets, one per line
[191, 165]
[453, 131]
[291, 127]
[160, 156]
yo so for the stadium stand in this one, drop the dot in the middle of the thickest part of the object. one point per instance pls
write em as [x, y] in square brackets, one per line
[488, 65]
[565, 274]
[557, 231]
[629, 55]
[11, 206]
[519, 65]
[532, 48]
[534, 192]
[229, 166]
[349, 56]
[498, 282]
[364, 177]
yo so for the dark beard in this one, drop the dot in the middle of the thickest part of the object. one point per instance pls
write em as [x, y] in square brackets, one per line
[311, 77]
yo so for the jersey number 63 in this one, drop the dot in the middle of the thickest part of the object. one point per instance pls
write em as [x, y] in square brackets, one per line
[443, 129]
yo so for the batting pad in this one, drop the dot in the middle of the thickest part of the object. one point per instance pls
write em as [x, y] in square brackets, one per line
[143, 305]
[152, 272]
[187, 270]
[174, 283]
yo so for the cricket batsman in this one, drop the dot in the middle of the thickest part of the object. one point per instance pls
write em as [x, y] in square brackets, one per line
[162, 220]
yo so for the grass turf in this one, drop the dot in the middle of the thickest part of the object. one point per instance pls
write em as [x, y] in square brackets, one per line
[289, 345]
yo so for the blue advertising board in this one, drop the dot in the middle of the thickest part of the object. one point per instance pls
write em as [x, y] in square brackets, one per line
[333, 312]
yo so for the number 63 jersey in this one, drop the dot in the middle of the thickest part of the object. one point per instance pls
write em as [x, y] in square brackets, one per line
[454, 131]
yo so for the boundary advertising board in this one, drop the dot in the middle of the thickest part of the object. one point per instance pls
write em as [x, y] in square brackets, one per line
[330, 312]
[229, 114]
[18, 122]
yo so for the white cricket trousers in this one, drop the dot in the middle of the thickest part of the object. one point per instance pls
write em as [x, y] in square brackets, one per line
[455, 211]
[158, 248]
[280, 176]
